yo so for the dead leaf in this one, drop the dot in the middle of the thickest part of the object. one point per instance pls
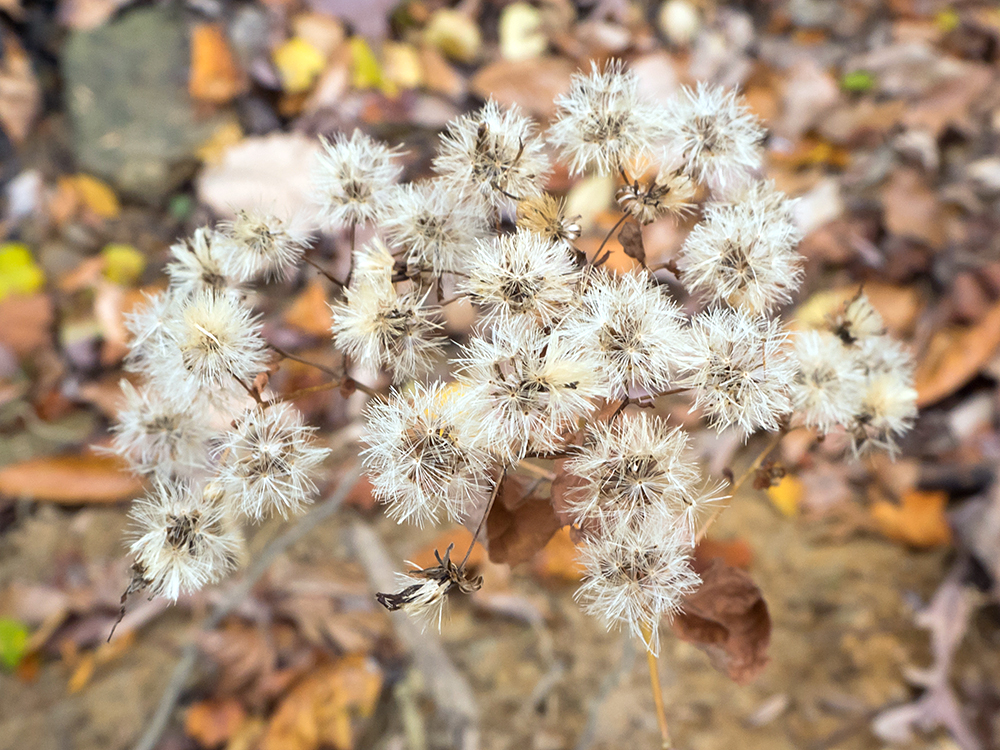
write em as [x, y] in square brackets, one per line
[735, 553]
[951, 102]
[564, 488]
[912, 209]
[322, 709]
[559, 559]
[458, 536]
[20, 94]
[27, 322]
[85, 478]
[727, 618]
[918, 520]
[530, 84]
[212, 723]
[310, 311]
[519, 525]
[215, 76]
[954, 356]
[631, 238]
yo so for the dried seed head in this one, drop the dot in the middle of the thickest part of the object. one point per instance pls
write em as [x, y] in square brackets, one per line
[545, 215]
[351, 177]
[198, 265]
[672, 192]
[258, 244]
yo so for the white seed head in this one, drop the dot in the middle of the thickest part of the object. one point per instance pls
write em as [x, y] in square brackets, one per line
[856, 322]
[198, 265]
[267, 462]
[545, 215]
[603, 124]
[257, 244]
[495, 153]
[829, 384]
[742, 372]
[634, 329]
[743, 254]
[888, 406]
[183, 538]
[522, 276]
[150, 346]
[156, 435]
[671, 192]
[351, 177]
[714, 136]
[421, 456]
[437, 229]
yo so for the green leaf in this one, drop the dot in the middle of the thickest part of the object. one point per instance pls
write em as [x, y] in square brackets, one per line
[858, 80]
[13, 642]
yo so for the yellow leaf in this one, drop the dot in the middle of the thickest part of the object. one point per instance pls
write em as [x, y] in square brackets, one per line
[366, 73]
[401, 65]
[919, 518]
[19, 274]
[97, 196]
[521, 34]
[787, 495]
[298, 63]
[215, 77]
[228, 134]
[123, 264]
[455, 34]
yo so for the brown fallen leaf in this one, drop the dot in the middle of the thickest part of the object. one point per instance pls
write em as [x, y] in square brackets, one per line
[321, 711]
[912, 208]
[918, 520]
[727, 618]
[519, 524]
[735, 553]
[20, 94]
[215, 77]
[530, 84]
[211, 723]
[310, 312]
[954, 356]
[27, 322]
[631, 238]
[79, 479]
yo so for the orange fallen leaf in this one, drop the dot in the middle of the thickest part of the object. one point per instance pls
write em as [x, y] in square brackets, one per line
[735, 553]
[786, 496]
[955, 355]
[912, 209]
[310, 311]
[321, 710]
[918, 520]
[458, 536]
[212, 723]
[86, 478]
[215, 76]
[559, 559]
[27, 321]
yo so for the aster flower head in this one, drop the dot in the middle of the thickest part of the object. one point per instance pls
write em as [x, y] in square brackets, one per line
[437, 229]
[351, 177]
[424, 591]
[671, 192]
[856, 322]
[743, 254]
[182, 538]
[156, 435]
[258, 244]
[532, 385]
[887, 412]
[545, 215]
[268, 461]
[217, 346]
[522, 276]
[829, 384]
[150, 344]
[602, 123]
[421, 454]
[494, 153]
[634, 576]
[378, 327]
[714, 136]
[635, 467]
[198, 264]
[741, 371]
[634, 328]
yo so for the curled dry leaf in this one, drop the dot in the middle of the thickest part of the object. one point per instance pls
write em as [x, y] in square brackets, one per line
[520, 523]
[631, 238]
[87, 478]
[918, 520]
[727, 618]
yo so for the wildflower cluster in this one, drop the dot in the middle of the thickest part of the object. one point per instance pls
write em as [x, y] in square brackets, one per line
[562, 353]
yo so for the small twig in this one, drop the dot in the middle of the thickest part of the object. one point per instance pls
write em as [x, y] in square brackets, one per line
[320, 512]
[294, 358]
[538, 471]
[253, 392]
[653, 662]
[598, 261]
[331, 386]
[486, 512]
[326, 273]
[751, 469]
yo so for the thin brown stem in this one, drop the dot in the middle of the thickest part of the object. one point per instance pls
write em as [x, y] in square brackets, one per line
[598, 261]
[486, 513]
[750, 471]
[652, 661]
[252, 392]
[326, 273]
[331, 386]
[294, 358]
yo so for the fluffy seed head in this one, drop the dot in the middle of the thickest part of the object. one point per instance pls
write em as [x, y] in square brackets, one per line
[889, 403]
[257, 244]
[421, 455]
[741, 372]
[856, 321]
[522, 276]
[424, 594]
[828, 384]
[268, 461]
[545, 215]
[671, 192]
[351, 177]
[495, 153]
[198, 264]
[150, 344]
[603, 124]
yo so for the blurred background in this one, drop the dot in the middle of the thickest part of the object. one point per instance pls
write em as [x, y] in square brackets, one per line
[124, 125]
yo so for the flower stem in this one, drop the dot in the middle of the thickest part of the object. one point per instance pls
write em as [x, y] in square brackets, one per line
[482, 521]
[653, 662]
[598, 260]
[287, 355]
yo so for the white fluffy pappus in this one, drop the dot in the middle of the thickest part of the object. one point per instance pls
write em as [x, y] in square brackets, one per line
[183, 538]
[495, 153]
[437, 229]
[198, 264]
[671, 192]
[267, 462]
[634, 576]
[743, 254]
[635, 330]
[713, 135]
[156, 435]
[545, 215]
[742, 372]
[603, 123]
[635, 466]
[257, 244]
[421, 456]
[351, 177]
[522, 276]
[150, 344]
[856, 322]
[888, 405]
[829, 384]
[533, 386]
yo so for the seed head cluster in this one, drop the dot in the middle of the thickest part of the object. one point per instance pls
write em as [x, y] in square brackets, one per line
[561, 357]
